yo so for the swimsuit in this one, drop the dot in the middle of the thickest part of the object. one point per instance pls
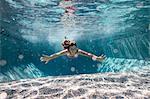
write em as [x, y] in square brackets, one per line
[76, 55]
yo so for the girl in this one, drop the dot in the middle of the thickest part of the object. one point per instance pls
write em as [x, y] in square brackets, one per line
[71, 50]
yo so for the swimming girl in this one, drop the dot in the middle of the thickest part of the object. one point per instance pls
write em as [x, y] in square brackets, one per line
[71, 50]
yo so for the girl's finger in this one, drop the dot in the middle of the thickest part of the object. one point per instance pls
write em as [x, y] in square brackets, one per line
[41, 58]
[46, 62]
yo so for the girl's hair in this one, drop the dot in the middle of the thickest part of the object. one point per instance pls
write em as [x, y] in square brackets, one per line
[67, 43]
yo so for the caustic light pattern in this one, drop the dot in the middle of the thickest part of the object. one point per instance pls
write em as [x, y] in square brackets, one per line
[85, 86]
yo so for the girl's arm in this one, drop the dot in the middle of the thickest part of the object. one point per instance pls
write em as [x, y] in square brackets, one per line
[47, 58]
[94, 57]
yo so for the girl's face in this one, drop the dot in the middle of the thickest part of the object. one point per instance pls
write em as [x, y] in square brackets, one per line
[73, 49]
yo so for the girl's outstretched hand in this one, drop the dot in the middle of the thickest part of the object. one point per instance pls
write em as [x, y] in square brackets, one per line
[45, 58]
[101, 58]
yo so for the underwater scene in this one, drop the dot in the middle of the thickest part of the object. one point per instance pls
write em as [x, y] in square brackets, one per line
[107, 54]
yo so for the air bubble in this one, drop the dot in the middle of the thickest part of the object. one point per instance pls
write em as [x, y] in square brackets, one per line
[115, 51]
[72, 69]
[93, 65]
[3, 62]
[20, 56]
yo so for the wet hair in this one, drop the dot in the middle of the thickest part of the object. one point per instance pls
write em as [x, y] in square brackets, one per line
[66, 11]
[67, 43]
[73, 43]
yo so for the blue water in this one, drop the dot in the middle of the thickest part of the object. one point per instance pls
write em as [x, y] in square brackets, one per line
[120, 29]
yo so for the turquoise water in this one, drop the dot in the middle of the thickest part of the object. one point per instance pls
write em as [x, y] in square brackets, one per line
[120, 29]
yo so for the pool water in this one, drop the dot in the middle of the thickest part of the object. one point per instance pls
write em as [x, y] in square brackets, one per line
[120, 29]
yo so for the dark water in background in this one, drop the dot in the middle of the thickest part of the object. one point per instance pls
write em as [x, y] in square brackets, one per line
[29, 28]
